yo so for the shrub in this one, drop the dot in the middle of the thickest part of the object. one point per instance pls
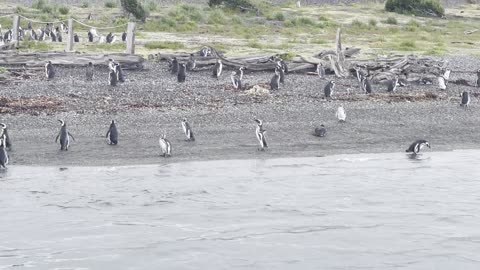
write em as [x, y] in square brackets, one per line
[64, 10]
[152, 6]
[110, 4]
[372, 22]
[134, 8]
[391, 20]
[408, 45]
[233, 4]
[417, 7]
[279, 16]
[84, 5]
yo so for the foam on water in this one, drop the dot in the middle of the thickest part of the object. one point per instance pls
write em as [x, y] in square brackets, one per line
[374, 211]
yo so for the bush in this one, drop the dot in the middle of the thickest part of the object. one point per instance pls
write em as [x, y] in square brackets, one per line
[110, 4]
[232, 4]
[372, 22]
[279, 16]
[63, 10]
[391, 20]
[134, 8]
[416, 7]
[84, 5]
[152, 6]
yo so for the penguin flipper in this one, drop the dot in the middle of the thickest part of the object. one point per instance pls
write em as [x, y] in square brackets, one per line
[56, 139]
[108, 132]
[71, 136]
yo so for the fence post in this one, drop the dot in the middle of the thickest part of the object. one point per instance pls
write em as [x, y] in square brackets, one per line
[131, 38]
[70, 36]
[16, 29]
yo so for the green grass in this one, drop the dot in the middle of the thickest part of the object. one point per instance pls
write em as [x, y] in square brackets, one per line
[156, 45]
[391, 20]
[34, 46]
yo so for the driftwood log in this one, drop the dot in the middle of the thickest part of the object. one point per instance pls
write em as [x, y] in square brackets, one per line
[127, 61]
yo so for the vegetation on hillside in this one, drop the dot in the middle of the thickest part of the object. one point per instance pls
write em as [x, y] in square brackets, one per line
[416, 7]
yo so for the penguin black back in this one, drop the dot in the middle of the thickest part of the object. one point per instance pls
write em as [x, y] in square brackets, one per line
[112, 133]
[181, 73]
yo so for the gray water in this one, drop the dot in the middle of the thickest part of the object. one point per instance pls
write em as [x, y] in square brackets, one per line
[376, 211]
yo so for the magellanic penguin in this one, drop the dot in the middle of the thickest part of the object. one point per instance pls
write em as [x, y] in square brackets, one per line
[446, 74]
[465, 100]
[3, 153]
[64, 136]
[89, 71]
[236, 82]
[124, 36]
[320, 71]
[392, 84]
[477, 83]
[340, 114]
[181, 73]
[442, 82]
[165, 146]
[328, 90]
[76, 39]
[275, 81]
[112, 77]
[174, 67]
[260, 133]
[205, 51]
[217, 69]
[281, 72]
[4, 132]
[119, 71]
[112, 134]
[359, 74]
[192, 63]
[416, 146]
[321, 131]
[366, 86]
[49, 70]
[187, 130]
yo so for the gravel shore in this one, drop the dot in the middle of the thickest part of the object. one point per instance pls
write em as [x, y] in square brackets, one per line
[151, 102]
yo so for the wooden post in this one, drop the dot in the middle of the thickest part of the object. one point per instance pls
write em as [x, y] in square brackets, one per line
[131, 38]
[16, 29]
[70, 36]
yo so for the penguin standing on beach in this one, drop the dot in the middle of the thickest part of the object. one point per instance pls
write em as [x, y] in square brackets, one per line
[181, 73]
[64, 136]
[328, 90]
[192, 63]
[3, 152]
[281, 72]
[236, 81]
[366, 86]
[320, 71]
[112, 76]
[4, 132]
[112, 134]
[49, 70]
[392, 84]
[119, 72]
[187, 130]
[340, 114]
[321, 131]
[465, 100]
[217, 69]
[89, 71]
[416, 146]
[174, 66]
[165, 146]
[260, 133]
[275, 80]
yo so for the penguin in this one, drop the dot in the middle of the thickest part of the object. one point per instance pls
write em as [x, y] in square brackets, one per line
[53, 37]
[416, 146]
[465, 100]
[90, 36]
[191, 64]
[49, 70]
[165, 146]
[442, 83]
[237, 83]
[340, 114]
[175, 66]
[187, 130]
[3, 153]
[260, 133]
[366, 86]
[275, 81]
[321, 131]
[89, 71]
[112, 134]
[477, 83]
[328, 89]
[281, 72]
[392, 84]
[181, 73]
[64, 136]
[217, 69]
[320, 71]
[111, 64]
[59, 37]
[284, 65]
[446, 75]
[34, 34]
[29, 26]
[109, 37]
[112, 77]
[124, 36]
[4, 132]
[205, 52]
[119, 72]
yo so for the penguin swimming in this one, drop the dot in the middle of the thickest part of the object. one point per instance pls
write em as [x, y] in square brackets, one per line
[165, 146]
[465, 100]
[340, 114]
[89, 71]
[328, 89]
[416, 146]
[321, 131]
[320, 71]
[275, 81]
[187, 130]
[174, 67]
[112, 131]
[49, 70]
[181, 73]
[64, 136]
[191, 64]
[260, 133]
[4, 132]
[366, 86]
[217, 69]
[392, 84]
[3, 153]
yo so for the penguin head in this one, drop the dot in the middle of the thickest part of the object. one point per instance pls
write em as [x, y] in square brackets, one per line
[332, 82]
[62, 122]
[184, 119]
[113, 122]
[427, 144]
[258, 121]
[90, 64]
[3, 126]
[163, 136]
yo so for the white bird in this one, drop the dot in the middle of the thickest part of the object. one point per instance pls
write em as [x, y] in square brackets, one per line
[340, 114]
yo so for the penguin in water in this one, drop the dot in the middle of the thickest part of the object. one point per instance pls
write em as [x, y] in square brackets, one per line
[465, 100]
[191, 64]
[340, 114]
[3, 152]
[64, 136]
[187, 130]
[89, 71]
[175, 66]
[416, 146]
[4, 132]
[217, 69]
[477, 83]
[49, 70]
[328, 90]
[392, 84]
[321, 131]
[320, 71]
[112, 134]
[366, 86]
[181, 73]
[275, 81]
[165, 146]
[260, 133]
